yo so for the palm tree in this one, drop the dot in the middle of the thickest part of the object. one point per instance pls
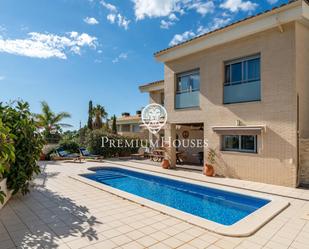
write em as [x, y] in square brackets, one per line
[99, 113]
[49, 121]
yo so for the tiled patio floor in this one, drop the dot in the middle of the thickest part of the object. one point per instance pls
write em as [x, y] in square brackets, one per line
[61, 212]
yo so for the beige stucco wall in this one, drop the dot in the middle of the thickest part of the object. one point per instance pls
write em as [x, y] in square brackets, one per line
[302, 83]
[155, 97]
[276, 161]
[302, 77]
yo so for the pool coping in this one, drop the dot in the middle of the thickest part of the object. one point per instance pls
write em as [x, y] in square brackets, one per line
[243, 228]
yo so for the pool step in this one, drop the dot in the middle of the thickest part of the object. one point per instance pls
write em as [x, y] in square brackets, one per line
[110, 176]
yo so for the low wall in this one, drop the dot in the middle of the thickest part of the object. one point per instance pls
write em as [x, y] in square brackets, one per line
[304, 162]
[5, 190]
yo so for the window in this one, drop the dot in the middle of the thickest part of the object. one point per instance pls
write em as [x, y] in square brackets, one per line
[136, 128]
[241, 143]
[242, 81]
[187, 90]
[125, 128]
[243, 70]
[188, 82]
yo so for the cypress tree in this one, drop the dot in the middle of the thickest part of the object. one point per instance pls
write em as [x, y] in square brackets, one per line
[114, 126]
[90, 115]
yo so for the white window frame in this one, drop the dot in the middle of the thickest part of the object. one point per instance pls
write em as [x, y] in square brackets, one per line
[243, 65]
[193, 72]
[240, 149]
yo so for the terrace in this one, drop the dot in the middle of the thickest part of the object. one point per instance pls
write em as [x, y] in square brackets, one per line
[62, 212]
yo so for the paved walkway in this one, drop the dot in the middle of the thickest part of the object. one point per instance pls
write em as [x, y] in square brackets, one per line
[63, 213]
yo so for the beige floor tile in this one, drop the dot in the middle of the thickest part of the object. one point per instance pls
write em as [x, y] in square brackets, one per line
[79, 243]
[107, 244]
[159, 236]
[7, 244]
[111, 233]
[225, 244]
[199, 243]
[159, 246]
[132, 245]
[186, 246]
[248, 245]
[121, 240]
[134, 235]
[183, 236]
[147, 241]
[209, 237]
[173, 242]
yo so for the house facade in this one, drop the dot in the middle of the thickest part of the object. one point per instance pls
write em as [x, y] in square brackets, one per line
[131, 126]
[247, 86]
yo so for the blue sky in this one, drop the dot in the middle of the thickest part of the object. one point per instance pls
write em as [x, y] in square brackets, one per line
[68, 52]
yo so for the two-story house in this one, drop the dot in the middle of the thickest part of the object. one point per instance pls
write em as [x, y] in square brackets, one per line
[131, 126]
[247, 86]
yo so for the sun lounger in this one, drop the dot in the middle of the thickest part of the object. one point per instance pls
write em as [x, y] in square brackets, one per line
[141, 154]
[85, 154]
[61, 154]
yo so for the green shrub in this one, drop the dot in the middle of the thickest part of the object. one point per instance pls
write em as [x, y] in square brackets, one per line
[70, 142]
[7, 153]
[70, 146]
[28, 144]
[94, 144]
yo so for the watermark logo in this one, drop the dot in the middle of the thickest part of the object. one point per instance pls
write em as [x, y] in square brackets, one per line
[154, 117]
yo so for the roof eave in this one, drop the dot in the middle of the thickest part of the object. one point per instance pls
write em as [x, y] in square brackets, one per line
[152, 87]
[288, 13]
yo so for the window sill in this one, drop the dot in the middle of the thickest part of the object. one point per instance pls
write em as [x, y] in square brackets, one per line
[198, 108]
[239, 152]
[243, 102]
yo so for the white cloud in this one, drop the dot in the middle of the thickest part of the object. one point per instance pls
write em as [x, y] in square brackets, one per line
[123, 21]
[272, 1]
[166, 24]
[91, 21]
[111, 18]
[115, 16]
[215, 24]
[179, 38]
[236, 5]
[122, 56]
[109, 6]
[173, 17]
[39, 45]
[154, 8]
[164, 8]
[203, 8]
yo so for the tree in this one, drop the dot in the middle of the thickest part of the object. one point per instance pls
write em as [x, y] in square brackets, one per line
[49, 121]
[90, 116]
[114, 125]
[28, 145]
[99, 113]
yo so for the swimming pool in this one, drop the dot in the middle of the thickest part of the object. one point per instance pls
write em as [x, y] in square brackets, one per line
[219, 206]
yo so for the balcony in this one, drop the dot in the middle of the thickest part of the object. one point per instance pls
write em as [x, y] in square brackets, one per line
[187, 100]
[245, 92]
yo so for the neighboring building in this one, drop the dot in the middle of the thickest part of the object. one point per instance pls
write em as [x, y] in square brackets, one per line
[131, 126]
[245, 88]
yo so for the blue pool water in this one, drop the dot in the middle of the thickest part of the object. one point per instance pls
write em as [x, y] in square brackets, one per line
[220, 206]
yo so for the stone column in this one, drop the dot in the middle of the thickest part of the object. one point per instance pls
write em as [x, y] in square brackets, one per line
[170, 137]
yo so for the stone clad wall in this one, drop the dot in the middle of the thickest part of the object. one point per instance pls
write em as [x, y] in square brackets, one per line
[304, 161]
